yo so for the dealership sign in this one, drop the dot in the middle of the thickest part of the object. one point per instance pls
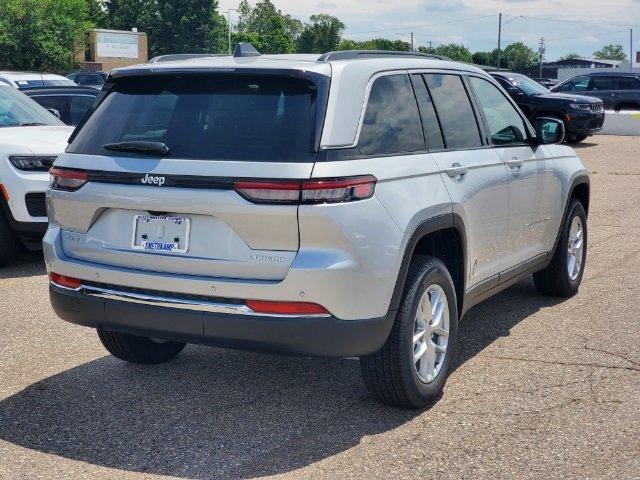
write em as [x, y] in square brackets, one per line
[117, 45]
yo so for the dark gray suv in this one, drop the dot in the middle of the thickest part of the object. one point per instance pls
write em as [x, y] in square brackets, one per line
[618, 91]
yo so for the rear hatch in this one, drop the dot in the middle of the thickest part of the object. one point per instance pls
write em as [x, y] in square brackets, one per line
[161, 155]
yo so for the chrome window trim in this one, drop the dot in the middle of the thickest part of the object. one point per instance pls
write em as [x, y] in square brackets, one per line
[178, 303]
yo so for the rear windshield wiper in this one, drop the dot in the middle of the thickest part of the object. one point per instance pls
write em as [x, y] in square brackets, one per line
[138, 147]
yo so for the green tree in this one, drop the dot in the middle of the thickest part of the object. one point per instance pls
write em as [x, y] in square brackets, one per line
[519, 56]
[128, 14]
[569, 56]
[454, 51]
[484, 58]
[188, 26]
[96, 13]
[265, 27]
[611, 52]
[42, 35]
[321, 35]
[375, 44]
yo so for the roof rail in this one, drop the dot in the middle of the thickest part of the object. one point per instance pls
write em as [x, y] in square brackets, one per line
[355, 54]
[245, 49]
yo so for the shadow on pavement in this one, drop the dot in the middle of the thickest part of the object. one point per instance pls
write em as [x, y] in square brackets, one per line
[585, 144]
[214, 413]
[26, 264]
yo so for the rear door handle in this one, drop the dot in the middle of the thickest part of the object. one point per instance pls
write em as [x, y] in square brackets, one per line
[456, 171]
[515, 163]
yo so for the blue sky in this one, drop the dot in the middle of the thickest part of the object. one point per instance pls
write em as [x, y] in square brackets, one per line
[580, 26]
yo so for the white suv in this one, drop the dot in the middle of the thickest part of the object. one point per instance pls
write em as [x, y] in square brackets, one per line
[349, 204]
[30, 140]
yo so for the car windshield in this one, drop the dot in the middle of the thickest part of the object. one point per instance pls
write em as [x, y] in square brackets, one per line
[16, 109]
[62, 82]
[216, 117]
[527, 85]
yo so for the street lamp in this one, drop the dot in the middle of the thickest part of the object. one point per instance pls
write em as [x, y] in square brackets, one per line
[410, 35]
[229, 25]
[500, 24]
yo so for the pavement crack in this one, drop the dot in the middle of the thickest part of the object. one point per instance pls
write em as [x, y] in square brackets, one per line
[568, 364]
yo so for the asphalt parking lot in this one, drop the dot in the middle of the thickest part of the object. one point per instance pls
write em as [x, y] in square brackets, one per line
[543, 388]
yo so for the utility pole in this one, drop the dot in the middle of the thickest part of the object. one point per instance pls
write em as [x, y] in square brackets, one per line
[412, 49]
[229, 25]
[541, 51]
[499, 35]
[631, 49]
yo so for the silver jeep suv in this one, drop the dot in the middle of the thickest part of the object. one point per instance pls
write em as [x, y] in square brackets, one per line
[354, 204]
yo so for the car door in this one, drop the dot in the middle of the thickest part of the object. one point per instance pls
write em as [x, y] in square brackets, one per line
[59, 103]
[475, 177]
[534, 189]
[605, 88]
[627, 92]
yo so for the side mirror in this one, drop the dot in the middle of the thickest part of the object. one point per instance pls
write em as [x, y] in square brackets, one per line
[55, 112]
[549, 130]
[515, 93]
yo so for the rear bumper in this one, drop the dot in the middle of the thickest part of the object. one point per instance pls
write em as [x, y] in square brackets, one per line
[318, 336]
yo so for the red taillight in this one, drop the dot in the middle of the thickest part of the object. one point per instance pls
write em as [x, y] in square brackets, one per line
[65, 179]
[286, 308]
[64, 281]
[321, 190]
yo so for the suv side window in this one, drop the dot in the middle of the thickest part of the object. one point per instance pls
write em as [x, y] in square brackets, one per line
[458, 120]
[430, 123]
[391, 122]
[603, 83]
[628, 83]
[579, 84]
[505, 124]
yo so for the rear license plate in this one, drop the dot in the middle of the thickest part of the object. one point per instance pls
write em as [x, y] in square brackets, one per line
[161, 234]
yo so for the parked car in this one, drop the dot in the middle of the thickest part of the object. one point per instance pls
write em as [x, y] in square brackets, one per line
[353, 204]
[22, 80]
[618, 91]
[69, 103]
[30, 139]
[546, 82]
[89, 79]
[580, 116]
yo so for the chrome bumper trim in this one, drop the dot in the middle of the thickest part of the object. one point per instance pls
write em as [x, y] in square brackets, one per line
[171, 302]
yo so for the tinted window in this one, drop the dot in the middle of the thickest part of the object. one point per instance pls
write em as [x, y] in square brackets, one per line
[79, 106]
[88, 80]
[456, 115]
[505, 124]
[391, 121]
[58, 103]
[430, 124]
[17, 109]
[603, 83]
[226, 117]
[628, 83]
[579, 84]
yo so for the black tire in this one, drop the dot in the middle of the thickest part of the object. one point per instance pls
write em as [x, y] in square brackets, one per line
[573, 138]
[9, 243]
[555, 279]
[390, 374]
[135, 349]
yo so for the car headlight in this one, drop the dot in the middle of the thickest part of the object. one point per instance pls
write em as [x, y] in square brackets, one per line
[581, 106]
[34, 163]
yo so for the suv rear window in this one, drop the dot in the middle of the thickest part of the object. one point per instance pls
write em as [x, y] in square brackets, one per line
[269, 118]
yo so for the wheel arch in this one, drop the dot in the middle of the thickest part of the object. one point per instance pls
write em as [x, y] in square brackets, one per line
[442, 237]
[581, 190]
